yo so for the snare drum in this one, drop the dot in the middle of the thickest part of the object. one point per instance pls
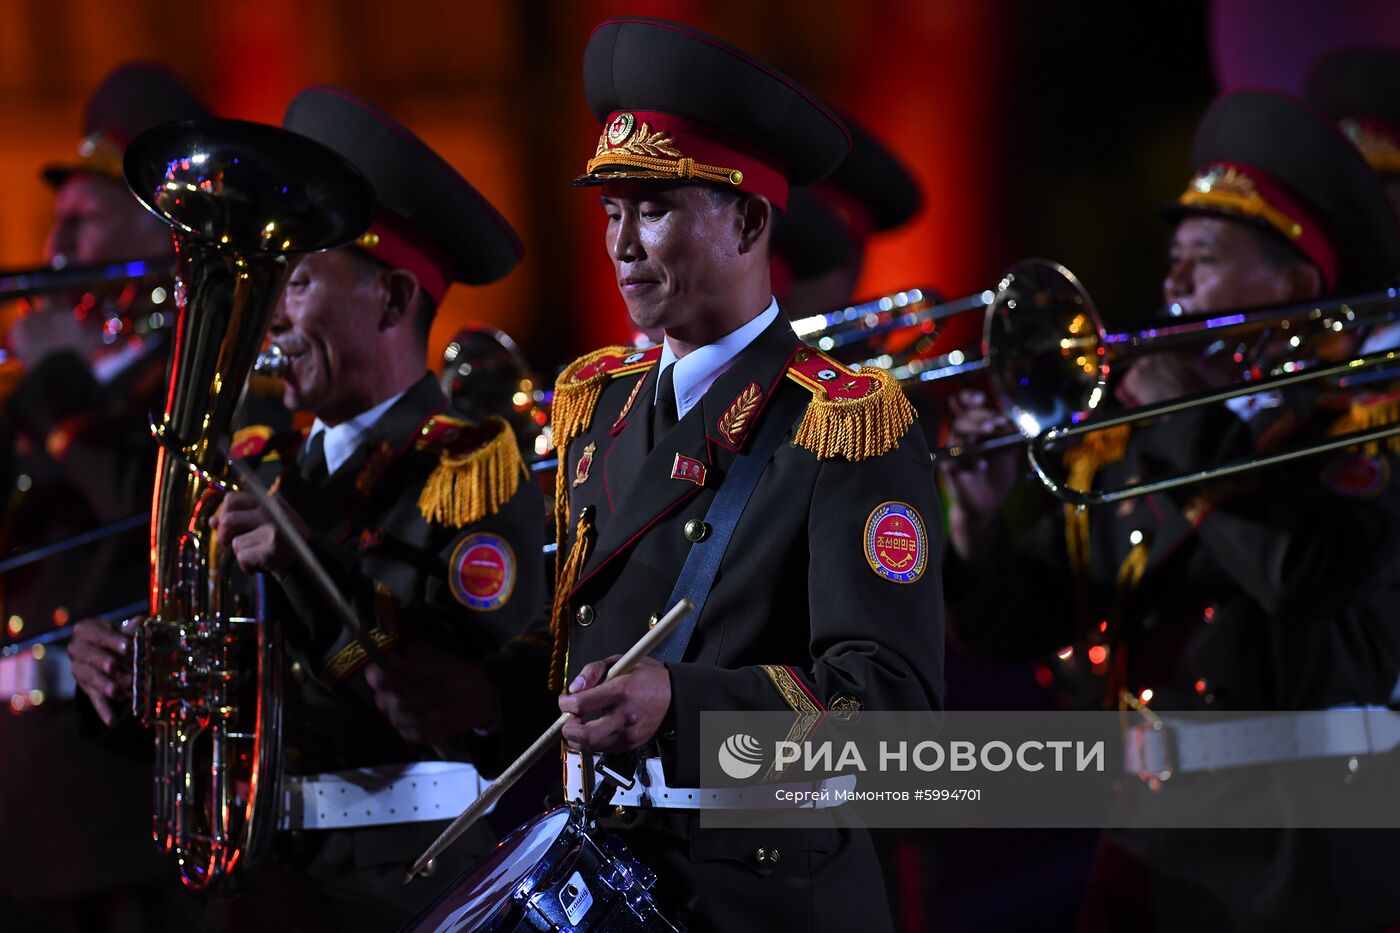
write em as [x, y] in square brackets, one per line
[549, 876]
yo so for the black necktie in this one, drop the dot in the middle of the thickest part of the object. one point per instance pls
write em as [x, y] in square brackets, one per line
[664, 416]
[313, 460]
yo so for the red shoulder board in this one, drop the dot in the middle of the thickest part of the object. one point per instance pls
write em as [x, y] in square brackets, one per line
[617, 362]
[826, 377]
[451, 435]
[250, 442]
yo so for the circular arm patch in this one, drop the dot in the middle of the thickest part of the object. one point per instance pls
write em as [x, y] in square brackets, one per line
[896, 546]
[482, 571]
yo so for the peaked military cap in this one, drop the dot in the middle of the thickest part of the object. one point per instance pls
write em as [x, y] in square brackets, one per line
[431, 221]
[870, 192]
[1265, 158]
[679, 105]
[132, 99]
[1359, 90]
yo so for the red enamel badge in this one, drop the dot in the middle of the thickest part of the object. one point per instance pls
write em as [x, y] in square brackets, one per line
[689, 469]
[482, 572]
[896, 546]
[585, 464]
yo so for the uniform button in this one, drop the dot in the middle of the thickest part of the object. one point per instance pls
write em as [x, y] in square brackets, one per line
[298, 672]
[429, 868]
[766, 856]
[696, 530]
[586, 513]
[584, 615]
[651, 623]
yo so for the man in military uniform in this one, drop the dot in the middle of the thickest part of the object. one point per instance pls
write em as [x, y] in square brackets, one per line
[820, 244]
[1359, 90]
[75, 846]
[1273, 593]
[700, 142]
[425, 521]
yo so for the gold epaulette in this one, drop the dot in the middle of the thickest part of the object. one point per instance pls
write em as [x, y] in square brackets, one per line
[852, 414]
[1099, 449]
[479, 469]
[580, 385]
[1370, 411]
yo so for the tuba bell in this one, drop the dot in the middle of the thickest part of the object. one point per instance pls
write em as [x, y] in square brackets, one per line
[240, 197]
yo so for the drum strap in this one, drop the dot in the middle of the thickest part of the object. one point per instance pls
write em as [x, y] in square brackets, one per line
[702, 563]
[697, 576]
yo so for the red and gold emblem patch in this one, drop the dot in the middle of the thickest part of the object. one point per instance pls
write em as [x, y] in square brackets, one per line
[482, 571]
[688, 468]
[1357, 475]
[896, 546]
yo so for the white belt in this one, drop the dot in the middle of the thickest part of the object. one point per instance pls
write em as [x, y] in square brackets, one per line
[650, 790]
[1163, 747]
[412, 793]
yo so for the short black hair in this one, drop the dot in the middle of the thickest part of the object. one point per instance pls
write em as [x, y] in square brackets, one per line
[424, 308]
[723, 197]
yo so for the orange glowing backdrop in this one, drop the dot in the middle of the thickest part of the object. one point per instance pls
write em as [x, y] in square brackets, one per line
[494, 86]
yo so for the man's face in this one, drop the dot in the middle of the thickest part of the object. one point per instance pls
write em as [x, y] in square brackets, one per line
[1218, 264]
[328, 323]
[96, 219]
[669, 245]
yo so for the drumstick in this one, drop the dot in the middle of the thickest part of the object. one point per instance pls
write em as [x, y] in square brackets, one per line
[329, 591]
[497, 788]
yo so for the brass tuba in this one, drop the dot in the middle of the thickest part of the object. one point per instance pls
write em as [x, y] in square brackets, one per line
[240, 197]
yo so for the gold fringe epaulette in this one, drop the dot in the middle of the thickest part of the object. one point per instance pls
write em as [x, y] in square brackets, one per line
[581, 384]
[852, 414]
[1098, 450]
[472, 479]
[1370, 411]
[576, 395]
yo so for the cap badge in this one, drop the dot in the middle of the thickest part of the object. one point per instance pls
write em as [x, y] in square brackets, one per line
[1227, 179]
[620, 128]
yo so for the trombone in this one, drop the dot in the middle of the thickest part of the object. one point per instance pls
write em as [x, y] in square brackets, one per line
[1049, 357]
[157, 272]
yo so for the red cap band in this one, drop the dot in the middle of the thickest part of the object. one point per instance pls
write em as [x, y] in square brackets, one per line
[399, 245]
[1236, 188]
[648, 144]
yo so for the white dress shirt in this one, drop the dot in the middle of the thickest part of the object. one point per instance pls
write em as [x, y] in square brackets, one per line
[698, 369]
[342, 439]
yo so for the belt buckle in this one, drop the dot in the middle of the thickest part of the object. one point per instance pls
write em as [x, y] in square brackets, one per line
[1154, 748]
